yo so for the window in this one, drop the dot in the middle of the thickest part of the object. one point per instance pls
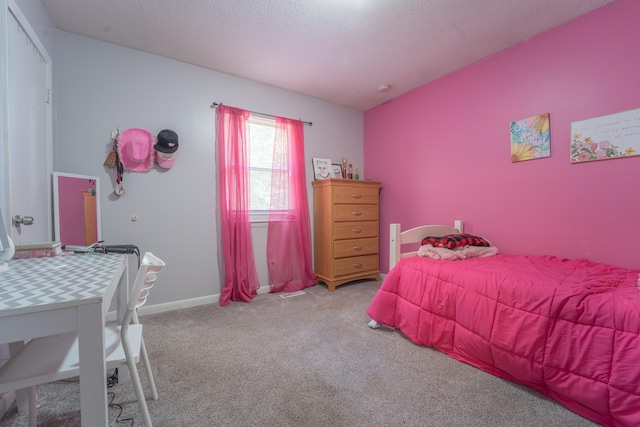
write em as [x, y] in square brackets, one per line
[261, 144]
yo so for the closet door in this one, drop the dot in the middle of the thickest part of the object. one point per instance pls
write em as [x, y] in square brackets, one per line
[29, 130]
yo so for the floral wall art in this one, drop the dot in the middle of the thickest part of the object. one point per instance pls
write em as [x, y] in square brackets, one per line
[606, 137]
[530, 138]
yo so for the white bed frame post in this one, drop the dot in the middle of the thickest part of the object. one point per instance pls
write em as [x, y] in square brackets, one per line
[394, 245]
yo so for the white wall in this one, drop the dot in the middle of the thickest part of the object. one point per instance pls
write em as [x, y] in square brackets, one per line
[99, 87]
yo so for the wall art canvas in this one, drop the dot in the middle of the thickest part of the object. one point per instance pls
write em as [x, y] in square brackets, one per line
[530, 138]
[607, 137]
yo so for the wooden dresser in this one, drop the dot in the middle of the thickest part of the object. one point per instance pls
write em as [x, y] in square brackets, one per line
[346, 231]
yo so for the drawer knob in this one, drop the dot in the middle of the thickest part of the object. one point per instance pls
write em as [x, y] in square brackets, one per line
[358, 248]
[356, 213]
[356, 196]
[357, 231]
[356, 265]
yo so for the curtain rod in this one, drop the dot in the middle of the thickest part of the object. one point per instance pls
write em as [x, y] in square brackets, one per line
[215, 104]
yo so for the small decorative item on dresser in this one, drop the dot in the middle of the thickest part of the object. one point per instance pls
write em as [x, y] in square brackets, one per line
[344, 167]
[357, 176]
[350, 174]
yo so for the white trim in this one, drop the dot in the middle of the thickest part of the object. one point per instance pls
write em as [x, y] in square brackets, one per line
[33, 36]
[4, 115]
[10, 7]
[56, 202]
[177, 305]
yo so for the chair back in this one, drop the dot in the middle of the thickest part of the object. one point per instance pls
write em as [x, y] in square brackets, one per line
[144, 281]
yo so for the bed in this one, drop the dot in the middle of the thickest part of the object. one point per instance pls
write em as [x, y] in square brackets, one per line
[567, 328]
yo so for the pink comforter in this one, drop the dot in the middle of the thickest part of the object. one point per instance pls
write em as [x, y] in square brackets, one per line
[568, 328]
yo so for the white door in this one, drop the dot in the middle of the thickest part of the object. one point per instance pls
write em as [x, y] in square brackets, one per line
[29, 131]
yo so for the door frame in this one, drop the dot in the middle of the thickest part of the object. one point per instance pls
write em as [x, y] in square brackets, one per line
[7, 8]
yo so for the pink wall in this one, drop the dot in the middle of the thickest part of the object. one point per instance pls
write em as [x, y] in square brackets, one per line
[442, 151]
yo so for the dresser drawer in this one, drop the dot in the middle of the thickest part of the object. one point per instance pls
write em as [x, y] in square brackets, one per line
[358, 195]
[355, 247]
[344, 266]
[353, 230]
[355, 212]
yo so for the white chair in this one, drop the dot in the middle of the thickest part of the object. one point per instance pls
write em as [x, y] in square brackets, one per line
[56, 357]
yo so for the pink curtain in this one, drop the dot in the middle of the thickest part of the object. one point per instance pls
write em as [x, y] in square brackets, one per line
[240, 277]
[289, 230]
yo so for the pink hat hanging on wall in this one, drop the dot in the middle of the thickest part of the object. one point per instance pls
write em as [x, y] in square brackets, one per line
[135, 149]
[166, 148]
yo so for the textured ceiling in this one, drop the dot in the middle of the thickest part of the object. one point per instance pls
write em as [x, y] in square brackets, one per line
[337, 50]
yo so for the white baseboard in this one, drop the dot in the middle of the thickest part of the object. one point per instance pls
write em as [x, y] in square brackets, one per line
[177, 305]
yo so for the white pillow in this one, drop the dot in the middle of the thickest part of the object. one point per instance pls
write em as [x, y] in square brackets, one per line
[428, 251]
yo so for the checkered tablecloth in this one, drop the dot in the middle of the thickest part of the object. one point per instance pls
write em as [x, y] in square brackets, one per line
[37, 282]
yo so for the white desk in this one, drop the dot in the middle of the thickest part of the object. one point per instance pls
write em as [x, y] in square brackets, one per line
[47, 296]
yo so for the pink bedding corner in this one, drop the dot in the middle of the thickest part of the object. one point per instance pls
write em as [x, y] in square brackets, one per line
[568, 328]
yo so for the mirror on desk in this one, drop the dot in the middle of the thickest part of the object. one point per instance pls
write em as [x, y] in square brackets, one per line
[76, 208]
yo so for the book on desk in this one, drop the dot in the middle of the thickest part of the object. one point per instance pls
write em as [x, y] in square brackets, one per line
[37, 250]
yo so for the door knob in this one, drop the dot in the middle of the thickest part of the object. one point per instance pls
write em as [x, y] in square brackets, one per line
[18, 221]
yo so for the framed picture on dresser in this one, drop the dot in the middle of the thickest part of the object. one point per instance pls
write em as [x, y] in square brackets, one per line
[336, 170]
[322, 168]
